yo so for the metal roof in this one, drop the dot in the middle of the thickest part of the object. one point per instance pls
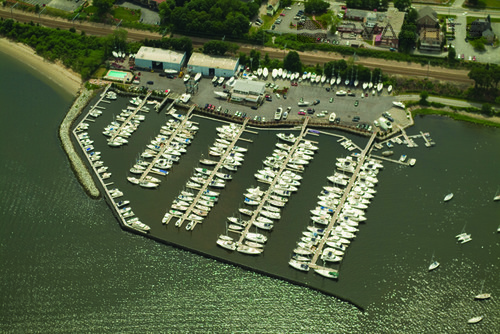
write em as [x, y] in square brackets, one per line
[160, 55]
[203, 60]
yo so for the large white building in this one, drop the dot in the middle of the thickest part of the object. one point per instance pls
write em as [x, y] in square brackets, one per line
[248, 91]
[159, 59]
[211, 66]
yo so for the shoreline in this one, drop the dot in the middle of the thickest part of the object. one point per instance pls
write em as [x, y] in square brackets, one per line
[63, 77]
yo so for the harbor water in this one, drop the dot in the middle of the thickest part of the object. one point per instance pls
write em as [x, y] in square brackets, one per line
[67, 266]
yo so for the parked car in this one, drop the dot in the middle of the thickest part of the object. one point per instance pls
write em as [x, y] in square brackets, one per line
[331, 99]
[316, 102]
[355, 119]
[356, 103]
[150, 82]
[301, 113]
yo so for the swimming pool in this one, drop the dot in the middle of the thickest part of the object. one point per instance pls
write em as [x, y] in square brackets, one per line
[116, 74]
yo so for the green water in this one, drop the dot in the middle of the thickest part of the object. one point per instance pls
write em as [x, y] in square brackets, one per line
[68, 267]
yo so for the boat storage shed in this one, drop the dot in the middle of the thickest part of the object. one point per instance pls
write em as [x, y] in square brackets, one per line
[159, 59]
[211, 66]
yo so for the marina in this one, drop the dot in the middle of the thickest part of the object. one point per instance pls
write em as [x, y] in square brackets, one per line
[204, 214]
[254, 234]
[58, 239]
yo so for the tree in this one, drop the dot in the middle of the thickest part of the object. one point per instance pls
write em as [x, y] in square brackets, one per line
[402, 5]
[255, 55]
[103, 7]
[411, 16]
[452, 54]
[486, 109]
[218, 48]
[316, 6]
[423, 97]
[165, 11]
[292, 62]
[406, 40]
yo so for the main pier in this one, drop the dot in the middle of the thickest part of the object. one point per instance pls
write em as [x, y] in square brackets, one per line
[166, 144]
[204, 187]
[273, 183]
[347, 190]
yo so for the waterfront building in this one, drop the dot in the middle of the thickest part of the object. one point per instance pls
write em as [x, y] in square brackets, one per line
[209, 65]
[159, 59]
[248, 91]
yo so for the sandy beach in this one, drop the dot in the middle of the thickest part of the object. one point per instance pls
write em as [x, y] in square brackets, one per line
[60, 75]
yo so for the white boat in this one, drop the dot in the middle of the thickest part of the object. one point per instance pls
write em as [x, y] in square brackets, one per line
[497, 196]
[389, 89]
[284, 74]
[265, 72]
[115, 54]
[298, 265]
[433, 265]
[323, 78]
[448, 197]
[291, 138]
[274, 73]
[245, 211]
[245, 249]
[332, 117]
[186, 77]
[259, 71]
[474, 320]
[365, 85]
[399, 104]
[214, 79]
[227, 244]
[197, 77]
[278, 114]
[220, 81]
[264, 226]
[327, 272]
[481, 295]
[256, 237]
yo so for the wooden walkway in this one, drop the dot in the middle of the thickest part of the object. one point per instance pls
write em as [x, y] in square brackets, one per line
[166, 144]
[127, 121]
[159, 106]
[204, 187]
[410, 142]
[347, 190]
[256, 212]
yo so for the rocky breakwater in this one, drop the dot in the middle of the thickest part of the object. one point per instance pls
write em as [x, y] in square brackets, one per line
[78, 166]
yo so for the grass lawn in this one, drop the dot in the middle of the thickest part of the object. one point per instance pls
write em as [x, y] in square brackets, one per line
[484, 4]
[100, 72]
[471, 19]
[455, 116]
[126, 14]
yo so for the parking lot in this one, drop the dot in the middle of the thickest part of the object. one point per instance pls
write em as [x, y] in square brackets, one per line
[368, 109]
